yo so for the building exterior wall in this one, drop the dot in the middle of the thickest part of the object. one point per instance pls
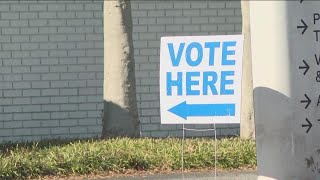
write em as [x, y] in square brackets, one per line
[51, 69]
[51, 63]
[154, 19]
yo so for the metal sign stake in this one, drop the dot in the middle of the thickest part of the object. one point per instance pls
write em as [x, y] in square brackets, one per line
[215, 147]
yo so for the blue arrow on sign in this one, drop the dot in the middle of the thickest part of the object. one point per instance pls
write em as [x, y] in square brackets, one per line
[185, 110]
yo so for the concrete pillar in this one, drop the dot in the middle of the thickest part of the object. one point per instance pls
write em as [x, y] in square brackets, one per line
[286, 75]
[119, 93]
[247, 129]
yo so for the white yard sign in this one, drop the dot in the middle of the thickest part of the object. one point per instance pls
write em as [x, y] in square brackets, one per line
[200, 79]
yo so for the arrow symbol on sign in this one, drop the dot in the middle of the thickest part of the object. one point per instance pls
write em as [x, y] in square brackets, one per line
[305, 26]
[185, 110]
[306, 66]
[309, 125]
[308, 101]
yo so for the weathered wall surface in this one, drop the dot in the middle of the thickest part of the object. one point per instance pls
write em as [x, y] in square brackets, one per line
[51, 69]
[51, 63]
[154, 19]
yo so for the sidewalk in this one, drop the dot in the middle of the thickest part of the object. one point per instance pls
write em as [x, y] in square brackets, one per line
[232, 175]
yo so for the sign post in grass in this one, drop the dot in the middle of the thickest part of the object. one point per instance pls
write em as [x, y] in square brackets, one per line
[200, 81]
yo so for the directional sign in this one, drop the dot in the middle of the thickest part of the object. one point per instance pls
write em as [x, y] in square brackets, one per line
[200, 79]
[304, 26]
[307, 101]
[306, 67]
[308, 125]
[286, 82]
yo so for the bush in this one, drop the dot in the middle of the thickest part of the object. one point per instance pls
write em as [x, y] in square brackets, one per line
[120, 155]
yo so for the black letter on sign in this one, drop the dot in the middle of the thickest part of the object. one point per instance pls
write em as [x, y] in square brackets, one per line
[318, 101]
[317, 59]
[316, 17]
[316, 31]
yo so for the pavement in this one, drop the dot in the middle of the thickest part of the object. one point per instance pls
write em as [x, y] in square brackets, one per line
[229, 175]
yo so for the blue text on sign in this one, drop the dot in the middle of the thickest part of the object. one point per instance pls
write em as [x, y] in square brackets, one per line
[209, 78]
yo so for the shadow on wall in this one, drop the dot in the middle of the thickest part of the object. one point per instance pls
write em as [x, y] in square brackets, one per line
[271, 133]
[119, 122]
[278, 142]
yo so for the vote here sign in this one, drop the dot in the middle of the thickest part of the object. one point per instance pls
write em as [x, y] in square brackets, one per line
[200, 79]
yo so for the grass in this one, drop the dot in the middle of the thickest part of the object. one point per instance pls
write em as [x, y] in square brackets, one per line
[58, 158]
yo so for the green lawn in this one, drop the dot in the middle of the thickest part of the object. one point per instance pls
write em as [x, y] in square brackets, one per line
[120, 155]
